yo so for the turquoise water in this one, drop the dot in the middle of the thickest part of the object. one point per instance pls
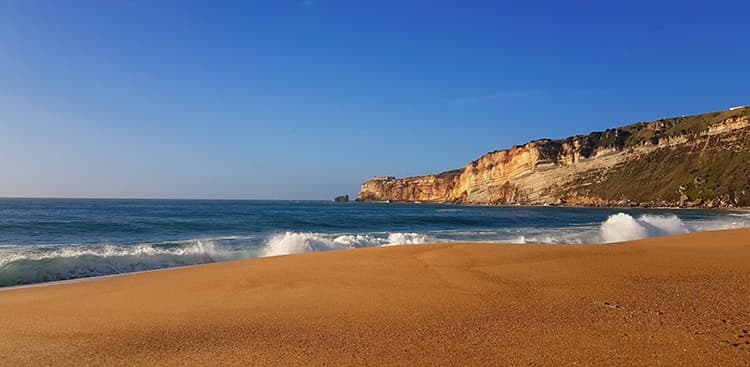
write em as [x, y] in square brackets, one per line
[56, 239]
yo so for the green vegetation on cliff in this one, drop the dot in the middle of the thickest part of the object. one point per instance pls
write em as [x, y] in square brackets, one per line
[715, 174]
[641, 133]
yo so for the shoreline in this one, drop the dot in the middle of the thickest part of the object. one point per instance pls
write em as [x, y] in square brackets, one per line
[327, 201]
[490, 242]
[104, 277]
[716, 208]
[658, 301]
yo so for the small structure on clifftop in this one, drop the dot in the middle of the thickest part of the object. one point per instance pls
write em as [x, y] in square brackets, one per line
[341, 199]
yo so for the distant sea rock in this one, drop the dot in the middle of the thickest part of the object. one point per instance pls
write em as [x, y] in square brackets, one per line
[688, 161]
[342, 199]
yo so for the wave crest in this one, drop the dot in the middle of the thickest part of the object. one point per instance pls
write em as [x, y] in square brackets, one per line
[25, 264]
[295, 242]
[623, 227]
[34, 264]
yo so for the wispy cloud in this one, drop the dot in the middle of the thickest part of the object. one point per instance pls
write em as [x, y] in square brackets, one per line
[498, 96]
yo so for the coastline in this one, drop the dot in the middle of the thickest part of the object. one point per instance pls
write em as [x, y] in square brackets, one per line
[621, 166]
[37, 252]
[101, 277]
[669, 300]
[565, 206]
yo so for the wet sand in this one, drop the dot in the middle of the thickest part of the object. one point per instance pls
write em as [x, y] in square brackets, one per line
[682, 300]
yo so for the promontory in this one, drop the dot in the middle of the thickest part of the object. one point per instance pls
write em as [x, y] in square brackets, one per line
[688, 161]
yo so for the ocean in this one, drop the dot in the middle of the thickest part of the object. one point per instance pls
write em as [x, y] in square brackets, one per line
[44, 240]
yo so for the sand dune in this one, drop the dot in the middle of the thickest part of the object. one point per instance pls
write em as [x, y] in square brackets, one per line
[682, 300]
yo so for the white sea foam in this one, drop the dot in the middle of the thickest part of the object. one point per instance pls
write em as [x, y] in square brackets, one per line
[617, 228]
[193, 247]
[33, 264]
[552, 237]
[623, 227]
[408, 239]
[294, 242]
[23, 264]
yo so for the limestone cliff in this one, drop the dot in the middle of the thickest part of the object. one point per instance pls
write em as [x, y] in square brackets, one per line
[701, 160]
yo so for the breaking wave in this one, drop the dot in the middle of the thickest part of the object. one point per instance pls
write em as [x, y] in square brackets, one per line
[21, 265]
[616, 228]
[34, 264]
[293, 242]
[26, 264]
[623, 227]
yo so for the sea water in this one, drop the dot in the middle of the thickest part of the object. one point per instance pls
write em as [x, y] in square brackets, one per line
[57, 239]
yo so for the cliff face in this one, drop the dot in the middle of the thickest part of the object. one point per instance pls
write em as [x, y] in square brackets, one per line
[701, 160]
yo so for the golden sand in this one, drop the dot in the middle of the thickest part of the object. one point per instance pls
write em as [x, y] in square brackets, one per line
[675, 301]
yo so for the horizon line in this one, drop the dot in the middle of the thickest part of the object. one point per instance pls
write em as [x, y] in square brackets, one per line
[145, 198]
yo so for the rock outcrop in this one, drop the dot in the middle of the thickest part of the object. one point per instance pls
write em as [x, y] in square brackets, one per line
[701, 160]
[341, 199]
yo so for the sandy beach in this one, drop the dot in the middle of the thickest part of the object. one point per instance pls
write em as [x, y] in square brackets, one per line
[682, 300]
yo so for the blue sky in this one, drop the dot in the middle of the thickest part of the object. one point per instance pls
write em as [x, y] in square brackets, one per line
[307, 99]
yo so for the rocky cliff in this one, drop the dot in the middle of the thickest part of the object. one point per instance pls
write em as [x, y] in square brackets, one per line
[701, 160]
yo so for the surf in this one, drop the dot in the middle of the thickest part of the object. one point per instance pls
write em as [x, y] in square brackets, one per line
[47, 240]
